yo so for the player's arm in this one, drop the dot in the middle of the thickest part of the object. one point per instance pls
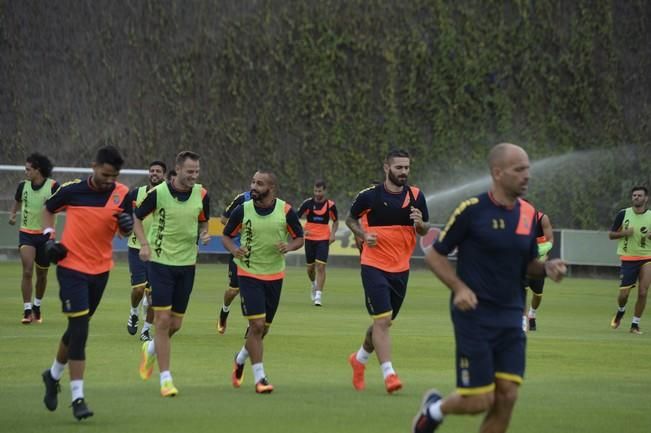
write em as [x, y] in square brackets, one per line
[147, 206]
[616, 231]
[361, 206]
[455, 231]
[16, 204]
[547, 229]
[204, 217]
[231, 230]
[420, 215]
[334, 216]
[295, 231]
[464, 298]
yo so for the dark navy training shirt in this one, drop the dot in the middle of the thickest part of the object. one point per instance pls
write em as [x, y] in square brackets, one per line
[495, 245]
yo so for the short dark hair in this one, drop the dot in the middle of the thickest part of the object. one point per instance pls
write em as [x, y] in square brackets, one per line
[640, 188]
[41, 163]
[157, 162]
[396, 153]
[320, 183]
[109, 155]
[170, 174]
[272, 176]
[186, 154]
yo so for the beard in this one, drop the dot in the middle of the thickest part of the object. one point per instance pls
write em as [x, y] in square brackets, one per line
[400, 181]
[259, 196]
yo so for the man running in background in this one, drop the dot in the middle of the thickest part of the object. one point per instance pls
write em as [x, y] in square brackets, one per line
[632, 229]
[30, 196]
[233, 285]
[545, 241]
[318, 211]
[140, 290]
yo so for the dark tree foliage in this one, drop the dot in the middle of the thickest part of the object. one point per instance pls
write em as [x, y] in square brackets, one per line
[323, 88]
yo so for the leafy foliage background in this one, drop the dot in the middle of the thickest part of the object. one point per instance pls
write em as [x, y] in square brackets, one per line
[324, 88]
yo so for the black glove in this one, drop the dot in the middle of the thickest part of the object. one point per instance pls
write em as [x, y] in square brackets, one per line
[55, 251]
[125, 222]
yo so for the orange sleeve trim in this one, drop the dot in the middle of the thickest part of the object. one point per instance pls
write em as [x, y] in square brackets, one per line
[204, 192]
[287, 208]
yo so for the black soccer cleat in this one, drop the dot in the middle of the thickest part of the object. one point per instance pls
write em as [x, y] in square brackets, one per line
[532, 323]
[423, 423]
[52, 388]
[80, 410]
[132, 324]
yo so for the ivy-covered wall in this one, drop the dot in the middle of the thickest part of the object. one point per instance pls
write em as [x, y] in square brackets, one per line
[323, 88]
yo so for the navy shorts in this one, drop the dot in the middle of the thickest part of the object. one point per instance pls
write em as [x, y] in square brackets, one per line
[316, 251]
[38, 242]
[171, 286]
[384, 291]
[260, 298]
[80, 293]
[536, 285]
[486, 353]
[233, 281]
[137, 268]
[630, 272]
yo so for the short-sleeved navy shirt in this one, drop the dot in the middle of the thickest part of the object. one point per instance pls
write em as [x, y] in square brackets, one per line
[495, 245]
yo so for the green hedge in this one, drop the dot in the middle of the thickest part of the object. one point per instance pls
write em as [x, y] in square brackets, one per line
[324, 88]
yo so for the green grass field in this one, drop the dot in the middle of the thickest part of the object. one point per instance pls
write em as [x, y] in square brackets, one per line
[581, 375]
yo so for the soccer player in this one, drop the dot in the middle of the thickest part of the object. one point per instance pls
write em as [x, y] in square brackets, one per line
[31, 195]
[392, 213]
[140, 290]
[545, 241]
[179, 210]
[318, 212]
[96, 209]
[495, 234]
[269, 229]
[233, 285]
[632, 228]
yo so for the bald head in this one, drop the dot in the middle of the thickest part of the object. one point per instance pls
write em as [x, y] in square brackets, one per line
[509, 168]
[501, 153]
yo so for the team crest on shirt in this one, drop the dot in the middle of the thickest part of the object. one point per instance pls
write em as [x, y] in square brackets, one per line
[116, 198]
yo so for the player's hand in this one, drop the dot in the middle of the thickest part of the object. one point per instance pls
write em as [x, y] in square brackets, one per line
[125, 222]
[204, 236]
[332, 239]
[12, 219]
[370, 239]
[241, 252]
[555, 269]
[306, 233]
[628, 231]
[464, 299]
[416, 216]
[144, 253]
[282, 247]
[55, 251]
